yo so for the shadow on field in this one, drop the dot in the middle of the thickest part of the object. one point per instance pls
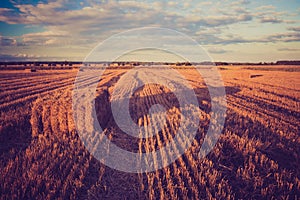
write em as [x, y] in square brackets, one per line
[269, 147]
[139, 106]
[15, 136]
[249, 172]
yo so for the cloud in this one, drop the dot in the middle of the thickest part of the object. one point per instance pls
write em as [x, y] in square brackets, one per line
[114, 15]
[271, 16]
[97, 21]
[284, 37]
[213, 21]
[275, 20]
[29, 57]
[217, 50]
[272, 20]
[240, 2]
[288, 49]
[90, 20]
[266, 7]
[10, 16]
[18, 57]
[297, 29]
[82, 25]
[237, 39]
[7, 41]
[45, 38]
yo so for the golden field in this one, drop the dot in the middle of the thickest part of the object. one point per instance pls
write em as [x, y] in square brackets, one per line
[256, 157]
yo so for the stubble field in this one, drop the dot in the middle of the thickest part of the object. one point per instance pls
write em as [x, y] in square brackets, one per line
[257, 155]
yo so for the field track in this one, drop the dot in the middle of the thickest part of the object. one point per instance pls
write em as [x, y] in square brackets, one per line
[256, 157]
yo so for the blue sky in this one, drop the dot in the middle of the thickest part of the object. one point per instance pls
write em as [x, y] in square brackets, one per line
[230, 30]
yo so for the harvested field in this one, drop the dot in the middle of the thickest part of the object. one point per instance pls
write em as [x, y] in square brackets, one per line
[257, 155]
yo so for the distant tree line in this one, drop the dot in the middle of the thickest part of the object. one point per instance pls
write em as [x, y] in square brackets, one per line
[70, 64]
[288, 62]
[40, 63]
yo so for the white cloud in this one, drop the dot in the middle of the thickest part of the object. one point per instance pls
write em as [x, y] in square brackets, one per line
[45, 38]
[271, 20]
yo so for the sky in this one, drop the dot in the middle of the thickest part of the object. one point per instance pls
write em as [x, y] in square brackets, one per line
[229, 30]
